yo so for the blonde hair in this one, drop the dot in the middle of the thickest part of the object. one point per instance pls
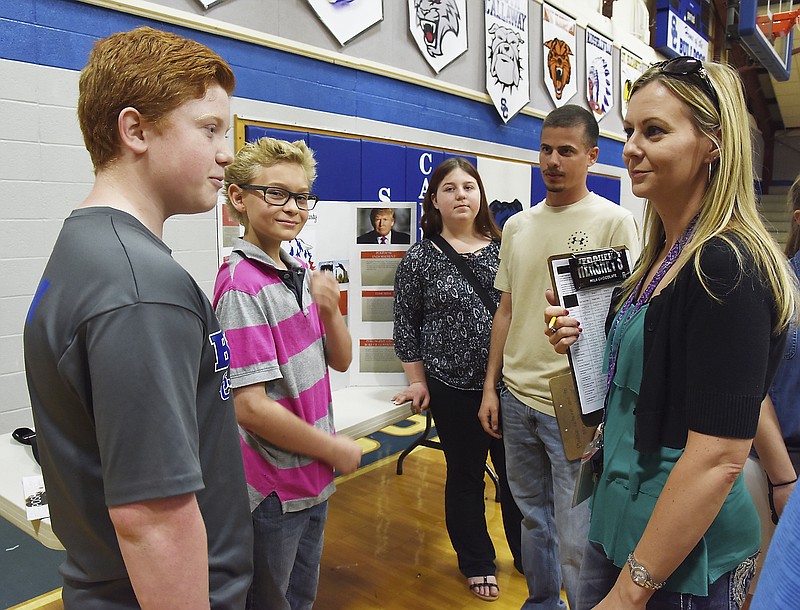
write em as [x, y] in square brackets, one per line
[266, 152]
[793, 240]
[728, 209]
[147, 69]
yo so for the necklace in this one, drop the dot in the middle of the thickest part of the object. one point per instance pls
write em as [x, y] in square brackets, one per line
[633, 305]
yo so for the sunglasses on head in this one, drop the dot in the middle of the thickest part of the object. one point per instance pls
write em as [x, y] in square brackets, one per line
[689, 67]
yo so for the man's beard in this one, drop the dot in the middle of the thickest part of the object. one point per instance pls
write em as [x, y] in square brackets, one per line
[553, 188]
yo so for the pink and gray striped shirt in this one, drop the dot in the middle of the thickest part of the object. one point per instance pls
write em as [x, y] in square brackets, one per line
[275, 341]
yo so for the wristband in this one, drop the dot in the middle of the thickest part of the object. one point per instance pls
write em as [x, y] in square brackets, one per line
[770, 488]
[773, 485]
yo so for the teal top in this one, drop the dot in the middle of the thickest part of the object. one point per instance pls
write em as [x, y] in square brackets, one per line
[627, 490]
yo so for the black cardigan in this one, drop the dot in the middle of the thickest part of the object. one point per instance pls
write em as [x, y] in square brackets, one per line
[707, 364]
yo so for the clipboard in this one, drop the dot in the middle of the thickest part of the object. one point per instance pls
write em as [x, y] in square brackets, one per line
[574, 433]
[583, 283]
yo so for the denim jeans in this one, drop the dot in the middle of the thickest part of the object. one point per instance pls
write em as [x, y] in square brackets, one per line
[598, 575]
[542, 481]
[466, 445]
[287, 552]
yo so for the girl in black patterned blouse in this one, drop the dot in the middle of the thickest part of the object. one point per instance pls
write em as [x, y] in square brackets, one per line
[441, 334]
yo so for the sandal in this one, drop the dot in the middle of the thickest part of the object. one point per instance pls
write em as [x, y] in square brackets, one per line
[475, 587]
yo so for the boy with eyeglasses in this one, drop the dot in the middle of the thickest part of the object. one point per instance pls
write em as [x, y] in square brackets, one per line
[284, 329]
[125, 359]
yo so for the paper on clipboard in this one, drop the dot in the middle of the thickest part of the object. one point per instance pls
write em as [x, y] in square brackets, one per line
[583, 283]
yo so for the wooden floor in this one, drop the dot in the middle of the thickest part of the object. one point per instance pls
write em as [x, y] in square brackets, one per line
[386, 546]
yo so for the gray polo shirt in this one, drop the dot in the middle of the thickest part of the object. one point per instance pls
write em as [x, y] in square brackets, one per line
[127, 372]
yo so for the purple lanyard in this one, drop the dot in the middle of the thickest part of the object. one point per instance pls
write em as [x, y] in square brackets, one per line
[629, 308]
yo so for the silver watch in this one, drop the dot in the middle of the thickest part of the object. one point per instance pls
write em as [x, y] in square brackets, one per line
[641, 576]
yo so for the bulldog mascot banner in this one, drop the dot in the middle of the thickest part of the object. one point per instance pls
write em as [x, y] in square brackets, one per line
[507, 80]
[599, 74]
[558, 54]
[630, 68]
[439, 27]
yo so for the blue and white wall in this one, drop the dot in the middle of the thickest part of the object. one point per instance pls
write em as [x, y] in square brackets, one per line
[291, 72]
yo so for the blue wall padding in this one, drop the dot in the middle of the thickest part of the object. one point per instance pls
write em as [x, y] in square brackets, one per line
[60, 33]
[338, 167]
[382, 171]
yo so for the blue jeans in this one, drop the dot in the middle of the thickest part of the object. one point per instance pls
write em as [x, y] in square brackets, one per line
[542, 481]
[598, 575]
[287, 552]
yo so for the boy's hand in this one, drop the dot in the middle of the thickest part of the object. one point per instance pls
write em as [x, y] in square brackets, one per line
[325, 292]
[346, 455]
[339, 346]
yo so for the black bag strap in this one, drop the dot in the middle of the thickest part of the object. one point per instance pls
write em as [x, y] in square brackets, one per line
[462, 266]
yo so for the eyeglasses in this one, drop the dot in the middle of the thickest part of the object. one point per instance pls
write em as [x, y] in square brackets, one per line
[687, 67]
[275, 195]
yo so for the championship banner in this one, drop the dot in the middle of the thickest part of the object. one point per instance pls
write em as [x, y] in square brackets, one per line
[207, 4]
[630, 68]
[507, 80]
[558, 38]
[599, 74]
[439, 27]
[346, 19]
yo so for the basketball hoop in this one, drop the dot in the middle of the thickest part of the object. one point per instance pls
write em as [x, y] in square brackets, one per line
[767, 35]
[779, 24]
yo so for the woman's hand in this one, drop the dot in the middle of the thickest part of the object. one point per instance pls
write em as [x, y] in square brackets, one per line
[625, 594]
[561, 330]
[417, 393]
[614, 601]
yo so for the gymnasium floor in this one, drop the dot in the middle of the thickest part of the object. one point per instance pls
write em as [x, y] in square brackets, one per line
[386, 546]
[28, 569]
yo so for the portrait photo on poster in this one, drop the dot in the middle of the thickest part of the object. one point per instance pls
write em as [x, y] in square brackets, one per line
[386, 226]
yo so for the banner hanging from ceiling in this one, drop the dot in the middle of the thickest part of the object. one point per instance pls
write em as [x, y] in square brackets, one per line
[631, 67]
[599, 74]
[507, 80]
[439, 27]
[558, 38]
[207, 4]
[346, 19]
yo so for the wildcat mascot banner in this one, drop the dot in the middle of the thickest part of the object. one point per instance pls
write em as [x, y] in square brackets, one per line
[439, 27]
[558, 54]
[507, 80]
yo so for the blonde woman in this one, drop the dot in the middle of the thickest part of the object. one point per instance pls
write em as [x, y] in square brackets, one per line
[696, 336]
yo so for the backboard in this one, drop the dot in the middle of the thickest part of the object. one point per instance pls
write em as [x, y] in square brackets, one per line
[758, 32]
